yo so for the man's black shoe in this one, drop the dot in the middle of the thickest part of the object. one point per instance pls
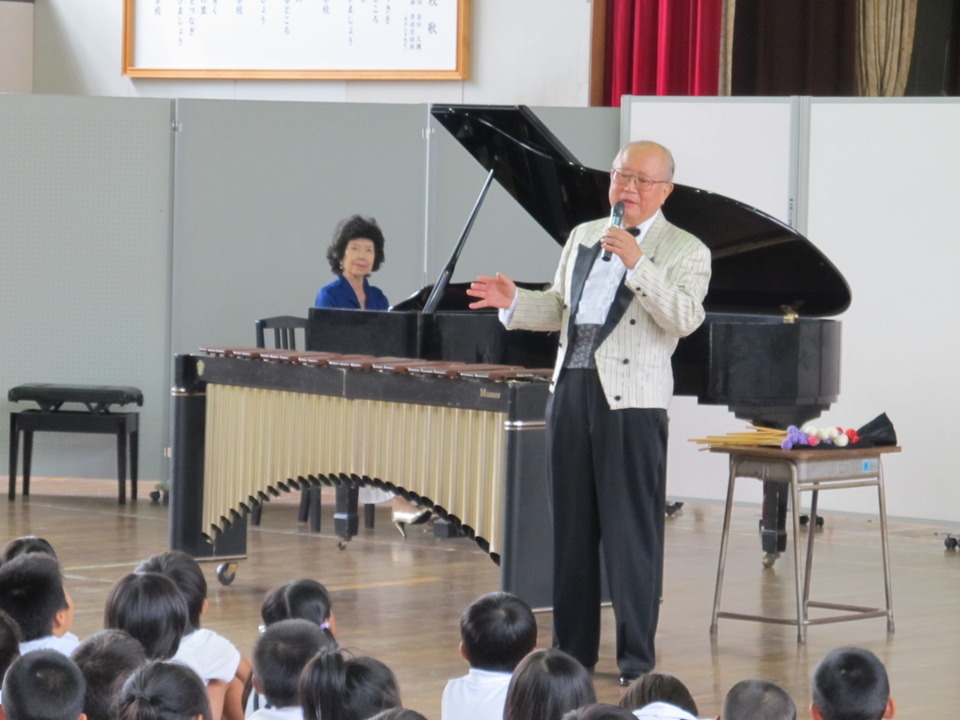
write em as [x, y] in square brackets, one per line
[626, 679]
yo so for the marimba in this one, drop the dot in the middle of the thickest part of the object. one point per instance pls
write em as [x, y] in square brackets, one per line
[466, 440]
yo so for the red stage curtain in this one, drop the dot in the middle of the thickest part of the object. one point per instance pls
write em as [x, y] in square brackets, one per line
[662, 47]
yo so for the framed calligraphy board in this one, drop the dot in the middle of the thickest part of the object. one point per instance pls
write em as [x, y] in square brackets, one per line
[296, 39]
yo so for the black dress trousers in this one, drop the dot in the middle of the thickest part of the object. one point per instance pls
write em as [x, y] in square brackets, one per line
[608, 472]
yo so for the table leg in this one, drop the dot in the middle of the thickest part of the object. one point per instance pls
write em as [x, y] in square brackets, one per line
[811, 535]
[801, 609]
[887, 583]
[724, 539]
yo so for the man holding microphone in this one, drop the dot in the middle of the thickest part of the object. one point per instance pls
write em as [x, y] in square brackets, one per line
[627, 288]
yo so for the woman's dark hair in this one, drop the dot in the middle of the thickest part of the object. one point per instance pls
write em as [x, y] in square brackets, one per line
[106, 659]
[186, 575]
[24, 545]
[545, 685]
[337, 686]
[163, 691]
[351, 228]
[303, 599]
[658, 687]
[151, 608]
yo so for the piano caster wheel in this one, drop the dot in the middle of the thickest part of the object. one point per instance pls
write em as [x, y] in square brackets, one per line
[673, 507]
[805, 520]
[227, 573]
[342, 543]
[950, 543]
[769, 559]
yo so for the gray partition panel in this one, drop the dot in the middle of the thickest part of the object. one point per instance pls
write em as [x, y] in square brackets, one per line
[84, 264]
[259, 187]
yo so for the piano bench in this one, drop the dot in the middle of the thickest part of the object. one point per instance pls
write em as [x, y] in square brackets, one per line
[97, 417]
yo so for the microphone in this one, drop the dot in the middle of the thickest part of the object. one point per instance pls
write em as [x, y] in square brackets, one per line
[616, 217]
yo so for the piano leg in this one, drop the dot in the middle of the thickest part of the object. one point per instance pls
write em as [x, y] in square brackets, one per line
[773, 521]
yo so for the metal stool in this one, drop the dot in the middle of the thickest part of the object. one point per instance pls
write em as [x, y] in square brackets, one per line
[808, 471]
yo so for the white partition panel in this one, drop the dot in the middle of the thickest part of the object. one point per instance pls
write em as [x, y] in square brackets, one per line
[884, 176]
[743, 148]
[871, 183]
[739, 147]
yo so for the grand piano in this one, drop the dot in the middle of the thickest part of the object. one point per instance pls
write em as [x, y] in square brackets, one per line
[766, 350]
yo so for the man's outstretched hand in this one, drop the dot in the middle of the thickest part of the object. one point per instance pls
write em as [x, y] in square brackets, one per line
[495, 292]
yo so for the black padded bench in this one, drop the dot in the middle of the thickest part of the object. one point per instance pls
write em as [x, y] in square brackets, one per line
[96, 418]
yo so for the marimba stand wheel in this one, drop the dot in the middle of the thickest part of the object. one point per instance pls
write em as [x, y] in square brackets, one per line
[769, 559]
[227, 573]
[950, 543]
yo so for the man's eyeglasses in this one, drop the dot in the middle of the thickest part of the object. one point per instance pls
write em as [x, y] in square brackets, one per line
[643, 184]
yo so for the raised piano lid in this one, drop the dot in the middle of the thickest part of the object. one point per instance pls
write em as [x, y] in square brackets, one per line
[760, 265]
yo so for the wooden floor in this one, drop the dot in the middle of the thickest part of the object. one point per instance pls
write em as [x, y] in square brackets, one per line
[399, 600]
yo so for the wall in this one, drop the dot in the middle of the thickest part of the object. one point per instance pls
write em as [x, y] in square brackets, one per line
[16, 46]
[534, 52]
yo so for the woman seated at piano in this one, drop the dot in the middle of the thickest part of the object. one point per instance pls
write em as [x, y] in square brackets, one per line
[355, 253]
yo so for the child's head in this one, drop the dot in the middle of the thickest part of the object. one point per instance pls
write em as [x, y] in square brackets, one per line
[337, 686]
[599, 711]
[43, 685]
[186, 575]
[279, 657]
[163, 691]
[398, 714]
[23, 545]
[496, 631]
[658, 687]
[304, 599]
[10, 640]
[758, 700]
[106, 659]
[851, 682]
[545, 685]
[151, 608]
[31, 592]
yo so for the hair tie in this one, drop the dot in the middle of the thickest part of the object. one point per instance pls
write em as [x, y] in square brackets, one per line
[325, 625]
